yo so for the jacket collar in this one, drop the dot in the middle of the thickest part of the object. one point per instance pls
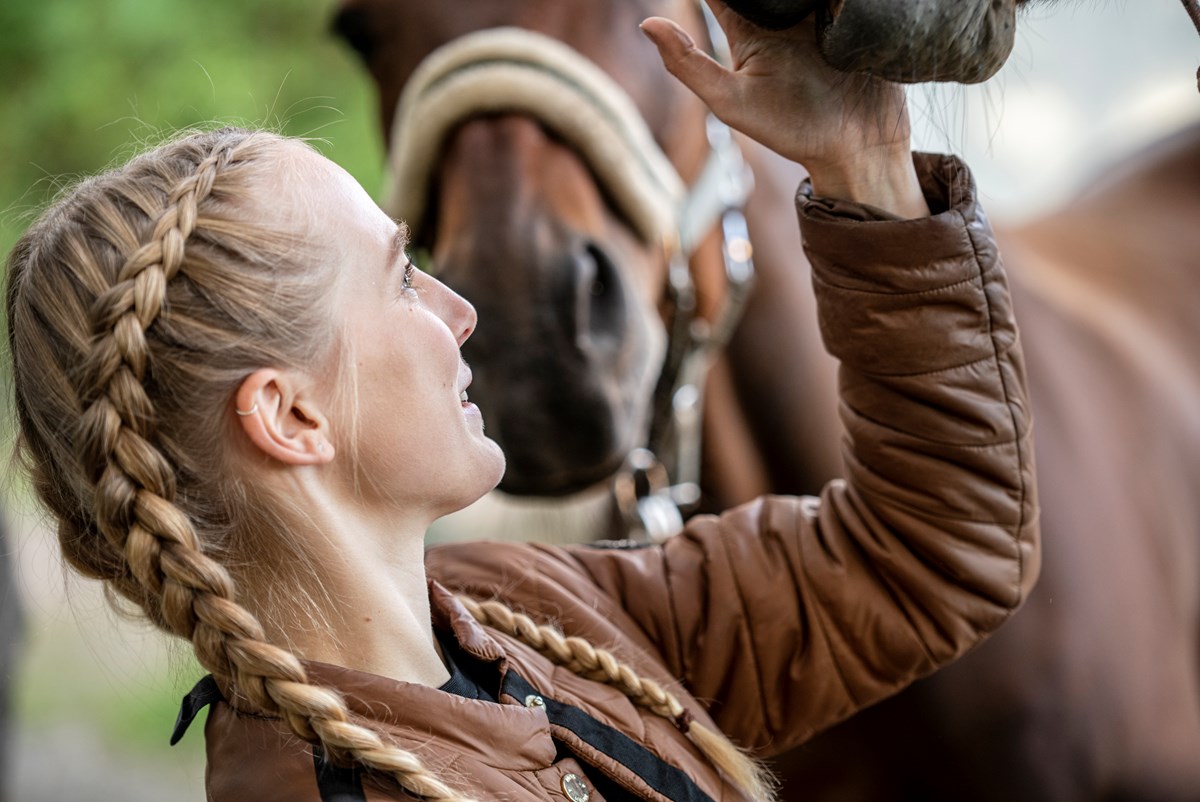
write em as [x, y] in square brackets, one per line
[449, 614]
[500, 735]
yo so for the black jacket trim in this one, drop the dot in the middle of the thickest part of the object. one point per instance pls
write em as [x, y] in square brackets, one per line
[664, 778]
[335, 783]
[199, 697]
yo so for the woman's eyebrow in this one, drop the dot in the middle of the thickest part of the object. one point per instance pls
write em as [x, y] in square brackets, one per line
[398, 244]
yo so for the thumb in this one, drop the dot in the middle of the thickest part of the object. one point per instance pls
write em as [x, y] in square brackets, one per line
[694, 68]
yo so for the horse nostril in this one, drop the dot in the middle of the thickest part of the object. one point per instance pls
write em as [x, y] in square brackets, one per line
[601, 269]
[601, 304]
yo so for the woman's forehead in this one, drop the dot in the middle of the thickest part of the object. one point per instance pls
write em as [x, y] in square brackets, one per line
[314, 191]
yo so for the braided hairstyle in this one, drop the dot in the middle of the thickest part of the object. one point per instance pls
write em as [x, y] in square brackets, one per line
[136, 309]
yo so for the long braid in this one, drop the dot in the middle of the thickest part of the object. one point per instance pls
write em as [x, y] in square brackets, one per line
[581, 657]
[133, 492]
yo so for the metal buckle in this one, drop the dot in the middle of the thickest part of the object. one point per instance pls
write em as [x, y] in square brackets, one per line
[648, 503]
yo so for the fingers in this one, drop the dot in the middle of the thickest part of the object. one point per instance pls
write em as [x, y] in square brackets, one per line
[694, 68]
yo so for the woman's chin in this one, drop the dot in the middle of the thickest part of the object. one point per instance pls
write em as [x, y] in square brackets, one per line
[488, 473]
[498, 464]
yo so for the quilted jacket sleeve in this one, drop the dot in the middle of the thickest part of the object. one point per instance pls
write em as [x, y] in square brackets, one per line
[788, 614]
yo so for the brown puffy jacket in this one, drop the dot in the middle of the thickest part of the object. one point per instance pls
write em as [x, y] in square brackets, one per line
[776, 619]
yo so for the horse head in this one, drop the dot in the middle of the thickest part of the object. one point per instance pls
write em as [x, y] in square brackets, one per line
[518, 210]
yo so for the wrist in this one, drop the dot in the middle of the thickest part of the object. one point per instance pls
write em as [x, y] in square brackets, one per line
[886, 180]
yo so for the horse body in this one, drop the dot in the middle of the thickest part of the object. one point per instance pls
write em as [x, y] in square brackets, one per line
[1112, 343]
[1091, 692]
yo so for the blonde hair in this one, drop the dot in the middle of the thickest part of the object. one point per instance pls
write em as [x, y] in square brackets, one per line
[136, 307]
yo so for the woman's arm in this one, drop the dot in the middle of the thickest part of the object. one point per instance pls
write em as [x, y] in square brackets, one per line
[790, 614]
[787, 615]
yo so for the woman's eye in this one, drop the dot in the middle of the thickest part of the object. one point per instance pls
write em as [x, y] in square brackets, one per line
[406, 280]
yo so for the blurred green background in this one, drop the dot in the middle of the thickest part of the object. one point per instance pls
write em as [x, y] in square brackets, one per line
[85, 84]
[86, 80]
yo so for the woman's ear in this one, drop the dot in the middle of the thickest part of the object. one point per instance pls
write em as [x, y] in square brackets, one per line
[279, 415]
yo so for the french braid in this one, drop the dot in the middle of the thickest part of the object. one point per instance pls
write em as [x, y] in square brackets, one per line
[118, 505]
[581, 657]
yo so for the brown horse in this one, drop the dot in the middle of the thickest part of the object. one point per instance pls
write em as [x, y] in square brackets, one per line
[1091, 693]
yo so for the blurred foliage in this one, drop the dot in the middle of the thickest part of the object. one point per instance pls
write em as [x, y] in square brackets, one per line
[89, 82]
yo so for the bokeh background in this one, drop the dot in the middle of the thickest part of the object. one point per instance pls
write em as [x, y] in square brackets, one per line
[87, 82]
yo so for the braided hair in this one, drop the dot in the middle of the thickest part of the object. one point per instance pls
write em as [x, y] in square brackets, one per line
[127, 348]
[135, 311]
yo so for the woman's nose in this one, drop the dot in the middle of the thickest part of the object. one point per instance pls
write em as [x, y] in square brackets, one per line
[456, 312]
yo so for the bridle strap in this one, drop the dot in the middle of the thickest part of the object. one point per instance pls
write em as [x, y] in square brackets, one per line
[717, 197]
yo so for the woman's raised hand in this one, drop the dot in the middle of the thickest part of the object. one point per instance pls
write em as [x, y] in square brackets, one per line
[851, 132]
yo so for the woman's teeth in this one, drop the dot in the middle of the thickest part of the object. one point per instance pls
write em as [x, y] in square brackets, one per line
[463, 396]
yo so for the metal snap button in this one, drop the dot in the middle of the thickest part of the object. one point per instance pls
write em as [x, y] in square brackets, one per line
[574, 788]
[533, 700]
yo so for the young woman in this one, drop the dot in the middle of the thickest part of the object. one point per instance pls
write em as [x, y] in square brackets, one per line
[244, 406]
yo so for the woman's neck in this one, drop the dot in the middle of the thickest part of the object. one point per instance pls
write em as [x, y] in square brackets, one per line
[372, 588]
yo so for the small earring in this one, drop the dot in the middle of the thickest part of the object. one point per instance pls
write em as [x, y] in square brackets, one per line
[320, 448]
[251, 411]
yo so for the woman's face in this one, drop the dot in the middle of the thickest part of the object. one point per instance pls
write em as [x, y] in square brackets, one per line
[404, 432]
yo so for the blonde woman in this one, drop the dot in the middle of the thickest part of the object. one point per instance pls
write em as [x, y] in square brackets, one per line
[243, 407]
